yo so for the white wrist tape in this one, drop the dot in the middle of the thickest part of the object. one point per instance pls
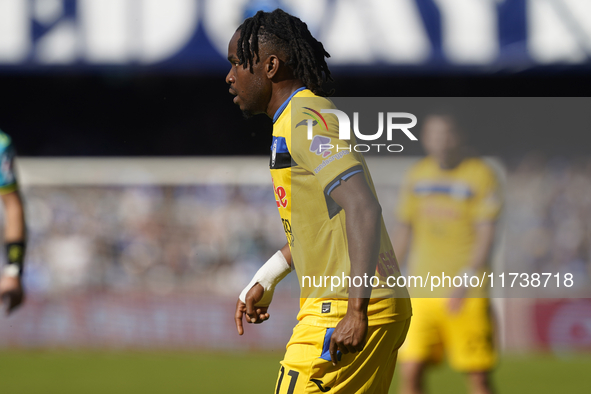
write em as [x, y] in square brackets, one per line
[11, 270]
[268, 276]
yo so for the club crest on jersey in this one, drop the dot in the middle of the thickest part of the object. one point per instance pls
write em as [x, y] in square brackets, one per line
[319, 147]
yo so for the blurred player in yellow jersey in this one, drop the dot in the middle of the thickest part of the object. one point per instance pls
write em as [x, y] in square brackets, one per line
[345, 342]
[11, 288]
[447, 212]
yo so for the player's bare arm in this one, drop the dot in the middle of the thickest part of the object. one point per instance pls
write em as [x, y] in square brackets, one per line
[401, 240]
[11, 289]
[255, 314]
[485, 235]
[363, 213]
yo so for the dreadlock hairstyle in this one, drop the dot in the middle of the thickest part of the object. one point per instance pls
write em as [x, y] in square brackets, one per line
[291, 37]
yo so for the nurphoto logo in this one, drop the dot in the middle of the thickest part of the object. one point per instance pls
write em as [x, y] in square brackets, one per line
[393, 123]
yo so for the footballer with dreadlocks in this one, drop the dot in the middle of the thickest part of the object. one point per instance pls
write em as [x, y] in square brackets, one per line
[347, 338]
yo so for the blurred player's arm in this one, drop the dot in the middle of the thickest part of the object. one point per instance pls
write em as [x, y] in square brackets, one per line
[256, 297]
[485, 212]
[401, 241]
[14, 228]
[11, 289]
[363, 225]
[483, 243]
[485, 235]
[405, 213]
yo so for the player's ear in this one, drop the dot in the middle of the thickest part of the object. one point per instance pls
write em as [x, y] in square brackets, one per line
[272, 65]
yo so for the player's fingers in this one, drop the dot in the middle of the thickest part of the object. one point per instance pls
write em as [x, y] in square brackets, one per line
[352, 348]
[239, 326]
[10, 302]
[6, 303]
[262, 312]
[250, 311]
[344, 348]
[360, 346]
[15, 301]
[332, 350]
[262, 316]
[238, 317]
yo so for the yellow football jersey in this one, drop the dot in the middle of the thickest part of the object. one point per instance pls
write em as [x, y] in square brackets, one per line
[443, 206]
[304, 174]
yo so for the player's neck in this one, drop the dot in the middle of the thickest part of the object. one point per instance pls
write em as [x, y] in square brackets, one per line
[281, 92]
[450, 162]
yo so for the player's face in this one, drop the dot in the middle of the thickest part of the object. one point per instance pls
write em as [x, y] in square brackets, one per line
[440, 139]
[250, 88]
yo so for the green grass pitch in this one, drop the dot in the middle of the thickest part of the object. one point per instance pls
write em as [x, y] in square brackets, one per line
[65, 372]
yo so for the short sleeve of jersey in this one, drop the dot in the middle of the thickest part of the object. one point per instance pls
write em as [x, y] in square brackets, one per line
[487, 202]
[324, 154]
[7, 153]
[405, 210]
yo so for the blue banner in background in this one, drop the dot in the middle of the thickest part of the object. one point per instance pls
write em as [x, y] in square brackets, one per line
[371, 35]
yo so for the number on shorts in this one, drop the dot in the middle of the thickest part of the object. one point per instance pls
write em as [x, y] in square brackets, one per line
[294, 378]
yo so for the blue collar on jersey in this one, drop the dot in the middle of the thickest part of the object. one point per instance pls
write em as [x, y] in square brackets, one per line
[282, 107]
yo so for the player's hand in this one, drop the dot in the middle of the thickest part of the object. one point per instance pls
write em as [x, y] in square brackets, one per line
[455, 303]
[253, 314]
[11, 292]
[349, 335]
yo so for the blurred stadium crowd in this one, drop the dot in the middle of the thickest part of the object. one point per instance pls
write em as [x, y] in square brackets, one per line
[153, 238]
[547, 216]
[211, 238]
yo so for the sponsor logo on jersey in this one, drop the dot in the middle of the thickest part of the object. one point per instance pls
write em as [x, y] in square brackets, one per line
[280, 196]
[288, 232]
[319, 147]
[329, 160]
[456, 190]
[326, 307]
[305, 123]
[316, 116]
